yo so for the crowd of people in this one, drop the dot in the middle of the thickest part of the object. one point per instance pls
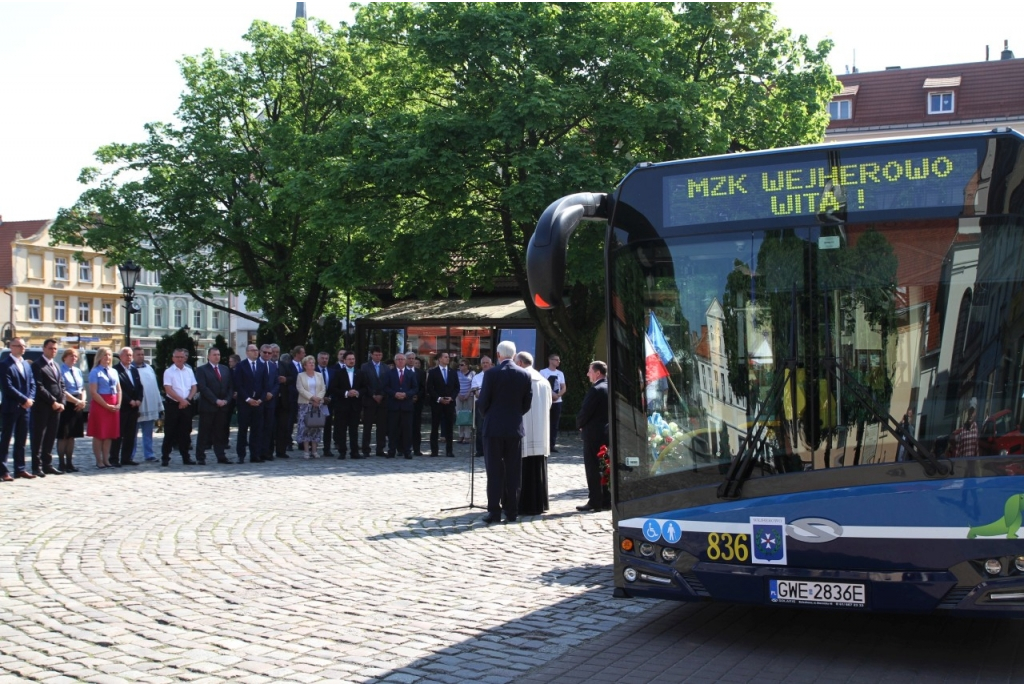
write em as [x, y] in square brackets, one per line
[295, 401]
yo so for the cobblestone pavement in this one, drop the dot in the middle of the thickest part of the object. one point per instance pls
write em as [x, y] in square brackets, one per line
[295, 570]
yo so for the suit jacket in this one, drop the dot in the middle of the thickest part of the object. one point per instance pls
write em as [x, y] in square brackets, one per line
[302, 383]
[340, 385]
[421, 381]
[506, 394]
[290, 373]
[247, 384]
[371, 383]
[131, 387]
[49, 385]
[437, 387]
[592, 417]
[15, 387]
[271, 384]
[407, 384]
[212, 388]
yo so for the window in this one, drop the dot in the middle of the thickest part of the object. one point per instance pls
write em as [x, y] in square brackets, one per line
[137, 316]
[197, 319]
[85, 271]
[60, 269]
[840, 109]
[158, 317]
[108, 312]
[83, 312]
[60, 309]
[33, 309]
[179, 317]
[940, 103]
[216, 320]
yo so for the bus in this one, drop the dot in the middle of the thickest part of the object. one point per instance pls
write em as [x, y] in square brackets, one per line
[816, 373]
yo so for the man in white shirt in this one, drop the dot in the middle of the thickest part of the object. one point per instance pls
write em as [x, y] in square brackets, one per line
[557, 380]
[179, 387]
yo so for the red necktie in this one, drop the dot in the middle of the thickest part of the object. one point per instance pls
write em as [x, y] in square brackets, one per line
[216, 370]
[400, 374]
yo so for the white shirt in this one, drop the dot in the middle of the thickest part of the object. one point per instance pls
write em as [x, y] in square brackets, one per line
[181, 380]
[478, 383]
[548, 373]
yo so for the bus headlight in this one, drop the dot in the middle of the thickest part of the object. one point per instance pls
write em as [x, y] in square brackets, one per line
[629, 574]
[1019, 563]
[994, 567]
[646, 549]
[668, 554]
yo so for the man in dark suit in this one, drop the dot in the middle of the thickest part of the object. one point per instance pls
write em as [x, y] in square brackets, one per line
[400, 388]
[323, 367]
[18, 389]
[419, 401]
[46, 409]
[346, 405]
[249, 381]
[271, 397]
[215, 390]
[592, 422]
[506, 394]
[442, 389]
[122, 448]
[287, 411]
[375, 409]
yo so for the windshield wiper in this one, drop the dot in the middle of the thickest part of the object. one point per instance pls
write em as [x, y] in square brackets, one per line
[743, 465]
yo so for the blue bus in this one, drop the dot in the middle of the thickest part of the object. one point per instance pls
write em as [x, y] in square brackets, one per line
[816, 373]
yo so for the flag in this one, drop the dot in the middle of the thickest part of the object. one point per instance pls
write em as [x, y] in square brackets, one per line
[655, 368]
[656, 337]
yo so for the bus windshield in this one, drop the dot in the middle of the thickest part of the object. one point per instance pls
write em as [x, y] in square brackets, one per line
[805, 343]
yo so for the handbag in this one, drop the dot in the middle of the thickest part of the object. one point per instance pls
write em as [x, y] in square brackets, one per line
[315, 419]
[464, 417]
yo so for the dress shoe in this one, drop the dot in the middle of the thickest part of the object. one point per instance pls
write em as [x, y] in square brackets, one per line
[358, 456]
[342, 456]
[433, 454]
[53, 471]
[129, 463]
[381, 454]
[587, 507]
[511, 519]
[165, 462]
[187, 461]
[390, 456]
[39, 474]
[6, 478]
[201, 462]
[283, 456]
[328, 453]
[418, 453]
[268, 458]
[491, 518]
[408, 456]
[24, 474]
[450, 454]
[554, 451]
[222, 461]
[116, 465]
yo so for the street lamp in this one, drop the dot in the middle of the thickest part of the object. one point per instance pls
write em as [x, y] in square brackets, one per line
[129, 277]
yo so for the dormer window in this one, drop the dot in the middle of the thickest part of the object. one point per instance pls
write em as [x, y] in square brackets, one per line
[840, 109]
[940, 103]
[941, 96]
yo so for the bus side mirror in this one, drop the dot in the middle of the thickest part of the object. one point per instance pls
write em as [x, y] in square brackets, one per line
[545, 255]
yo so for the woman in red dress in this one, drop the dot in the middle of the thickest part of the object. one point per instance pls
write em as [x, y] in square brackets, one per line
[105, 414]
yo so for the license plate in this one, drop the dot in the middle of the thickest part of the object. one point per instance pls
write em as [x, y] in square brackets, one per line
[816, 592]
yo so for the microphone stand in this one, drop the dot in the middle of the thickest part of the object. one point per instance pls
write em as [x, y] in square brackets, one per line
[472, 464]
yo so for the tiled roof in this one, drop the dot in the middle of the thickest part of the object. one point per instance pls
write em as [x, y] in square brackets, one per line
[983, 91]
[9, 230]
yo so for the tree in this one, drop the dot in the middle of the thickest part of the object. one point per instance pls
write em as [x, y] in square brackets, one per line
[163, 355]
[245, 194]
[491, 111]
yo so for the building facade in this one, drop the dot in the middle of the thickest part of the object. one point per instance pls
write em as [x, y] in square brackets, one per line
[70, 293]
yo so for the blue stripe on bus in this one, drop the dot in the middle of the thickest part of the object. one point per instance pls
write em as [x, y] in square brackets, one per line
[945, 503]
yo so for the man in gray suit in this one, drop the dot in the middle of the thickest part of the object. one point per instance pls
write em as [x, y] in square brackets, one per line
[506, 394]
[215, 390]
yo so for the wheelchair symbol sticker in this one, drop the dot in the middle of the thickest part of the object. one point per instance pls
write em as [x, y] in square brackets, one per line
[652, 530]
[671, 532]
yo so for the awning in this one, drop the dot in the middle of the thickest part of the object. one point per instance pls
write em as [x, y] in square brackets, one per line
[475, 309]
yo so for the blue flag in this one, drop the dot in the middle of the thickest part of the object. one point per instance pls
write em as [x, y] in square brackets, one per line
[658, 340]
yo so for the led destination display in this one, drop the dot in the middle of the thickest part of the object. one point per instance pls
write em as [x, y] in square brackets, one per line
[938, 178]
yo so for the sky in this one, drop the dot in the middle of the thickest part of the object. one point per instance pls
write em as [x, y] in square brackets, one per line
[78, 75]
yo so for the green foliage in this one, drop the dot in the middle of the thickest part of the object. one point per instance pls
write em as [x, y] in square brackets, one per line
[419, 147]
[327, 336]
[164, 352]
[225, 350]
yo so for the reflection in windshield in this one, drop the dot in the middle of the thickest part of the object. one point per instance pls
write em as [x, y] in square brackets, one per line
[819, 346]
